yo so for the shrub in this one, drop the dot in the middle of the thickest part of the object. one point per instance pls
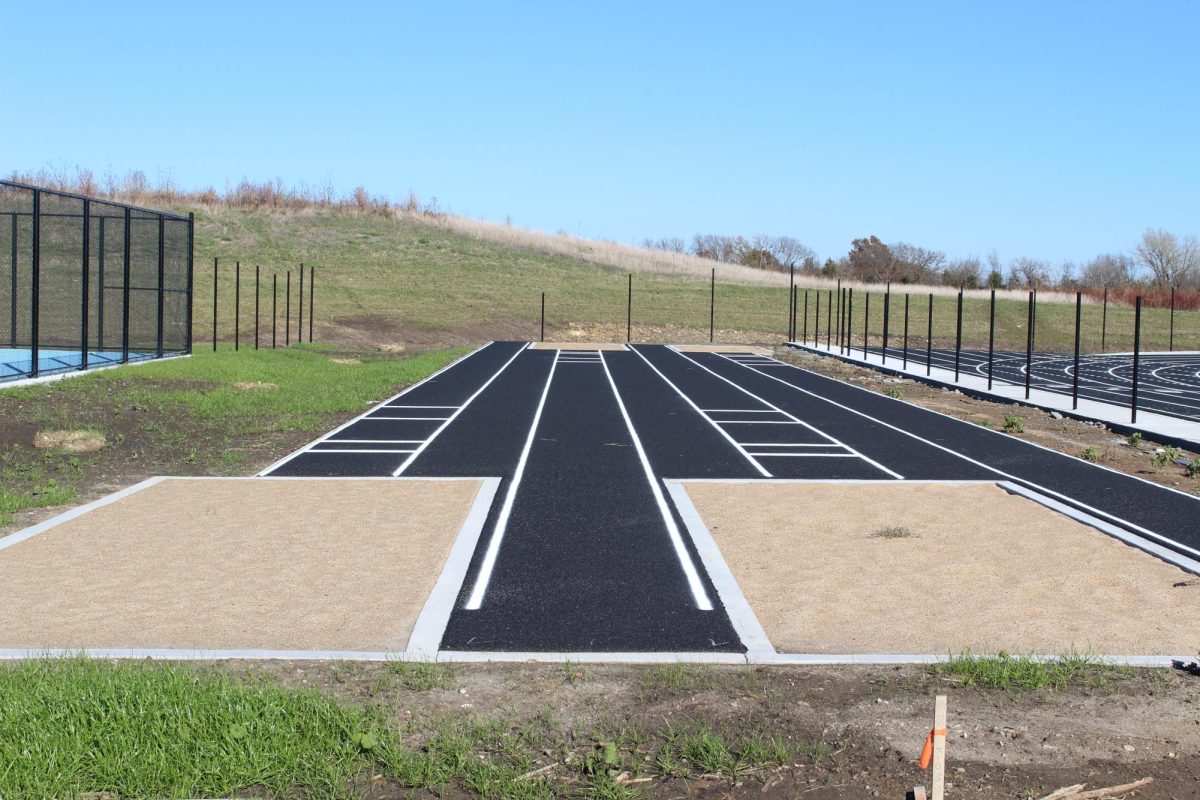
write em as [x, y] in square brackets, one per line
[1090, 454]
[1013, 423]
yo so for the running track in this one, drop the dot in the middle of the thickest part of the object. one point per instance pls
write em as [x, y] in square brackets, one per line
[583, 549]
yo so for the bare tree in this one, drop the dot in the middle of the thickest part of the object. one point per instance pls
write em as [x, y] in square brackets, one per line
[1108, 270]
[1032, 273]
[965, 272]
[788, 251]
[871, 260]
[916, 264]
[1171, 260]
[671, 245]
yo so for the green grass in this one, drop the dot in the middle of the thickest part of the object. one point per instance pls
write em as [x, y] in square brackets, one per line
[430, 279]
[421, 676]
[1013, 423]
[1004, 671]
[40, 495]
[74, 726]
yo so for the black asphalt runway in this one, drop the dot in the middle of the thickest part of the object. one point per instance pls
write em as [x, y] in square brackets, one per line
[1168, 383]
[583, 549]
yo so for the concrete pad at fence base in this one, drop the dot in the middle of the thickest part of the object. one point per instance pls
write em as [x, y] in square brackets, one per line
[984, 571]
[236, 564]
[577, 346]
[723, 348]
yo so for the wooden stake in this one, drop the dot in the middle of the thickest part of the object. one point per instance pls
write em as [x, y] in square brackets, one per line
[938, 786]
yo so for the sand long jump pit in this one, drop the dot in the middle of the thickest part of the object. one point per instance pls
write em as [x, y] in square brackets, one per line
[934, 569]
[237, 564]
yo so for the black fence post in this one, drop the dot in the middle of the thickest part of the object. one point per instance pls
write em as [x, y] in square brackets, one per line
[848, 318]
[257, 282]
[795, 311]
[216, 277]
[312, 271]
[191, 276]
[904, 364]
[237, 305]
[805, 340]
[958, 337]
[274, 306]
[287, 311]
[1137, 352]
[929, 340]
[887, 308]
[991, 338]
[1171, 340]
[300, 309]
[100, 290]
[866, 323]
[841, 303]
[35, 288]
[817, 323]
[791, 317]
[87, 259]
[1075, 376]
[712, 304]
[629, 311]
[162, 226]
[1029, 346]
[829, 322]
[542, 335]
[125, 291]
[1104, 322]
[14, 280]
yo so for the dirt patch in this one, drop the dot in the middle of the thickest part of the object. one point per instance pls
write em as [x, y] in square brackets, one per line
[346, 360]
[297, 564]
[979, 570]
[70, 441]
[1066, 435]
[252, 385]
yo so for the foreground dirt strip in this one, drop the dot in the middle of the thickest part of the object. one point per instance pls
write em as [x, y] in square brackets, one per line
[940, 568]
[236, 564]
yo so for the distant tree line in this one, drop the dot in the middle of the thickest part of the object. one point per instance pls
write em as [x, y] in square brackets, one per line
[1160, 260]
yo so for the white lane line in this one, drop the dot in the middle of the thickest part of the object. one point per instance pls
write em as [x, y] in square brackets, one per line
[737, 411]
[392, 405]
[421, 448]
[475, 601]
[427, 632]
[761, 469]
[409, 419]
[685, 560]
[349, 450]
[804, 455]
[371, 441]
[371, 410]
[1023, 481]
[755, 421]
[817, 431]
[787, 444]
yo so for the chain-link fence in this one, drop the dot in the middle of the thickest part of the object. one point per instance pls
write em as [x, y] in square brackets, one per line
[86, 282]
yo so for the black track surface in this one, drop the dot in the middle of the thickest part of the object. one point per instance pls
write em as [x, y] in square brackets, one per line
[586, 562]
[1168, 383]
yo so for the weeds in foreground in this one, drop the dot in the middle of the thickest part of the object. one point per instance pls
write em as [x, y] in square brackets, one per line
[1004, 671]
[894, 392]
[1166, 456]
[893, 532]
[1090, 454]
[419, 676]
[1013, 423]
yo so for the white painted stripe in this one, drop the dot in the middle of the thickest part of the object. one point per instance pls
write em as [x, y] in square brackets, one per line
[371, 410]
[786, 444]
[804, 455]
[475, 601]
[756, 421]
[396, 405]
[816, 430]
[737, 411]
[352, 450]
[430, 626]
[1090, 509]
[685, 560]
[370, 441]
[421, 448]
[745, 623]
[759, 467]
[373, 417]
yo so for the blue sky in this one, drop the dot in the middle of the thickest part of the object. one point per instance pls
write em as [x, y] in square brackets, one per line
[1056, 130]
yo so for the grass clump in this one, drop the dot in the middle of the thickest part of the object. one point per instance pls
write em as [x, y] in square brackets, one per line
[42, 495]
[421, 676]
[1004, 671]
[1166, 456]
[1192, 470]
[894, 392]
[69, 727]
[893, 532]
[1134, 439]
[677, 678]
[1013, 423]
[1090, 454]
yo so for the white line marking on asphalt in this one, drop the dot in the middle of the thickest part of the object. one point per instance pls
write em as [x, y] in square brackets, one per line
[761, 469]
[371, 410]
[804, 455]
[475, 601]
[818, 431]
[685, 560]
[352, 450]
[421, 448]
[371, 441]
[407, 419]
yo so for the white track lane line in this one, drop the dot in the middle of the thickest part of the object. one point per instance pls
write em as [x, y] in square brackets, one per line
[815, 430]
[761, 469]
[475, 601]
[421, 448]
[370, 410]
[685, 560]
[1022, 481]
[345, 450]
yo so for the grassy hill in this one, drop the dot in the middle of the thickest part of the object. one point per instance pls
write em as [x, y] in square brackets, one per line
[414, 280]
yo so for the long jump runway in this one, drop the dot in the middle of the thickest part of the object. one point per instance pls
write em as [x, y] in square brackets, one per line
[586, 547]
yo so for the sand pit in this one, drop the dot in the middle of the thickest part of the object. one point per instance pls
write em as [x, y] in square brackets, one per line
[236, 564]
[983, 571]
[723, 348]
[576, 346]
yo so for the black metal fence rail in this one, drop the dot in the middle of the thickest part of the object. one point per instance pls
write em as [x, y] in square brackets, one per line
[85, 282]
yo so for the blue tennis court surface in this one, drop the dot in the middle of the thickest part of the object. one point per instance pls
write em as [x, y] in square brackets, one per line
[16, 363]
